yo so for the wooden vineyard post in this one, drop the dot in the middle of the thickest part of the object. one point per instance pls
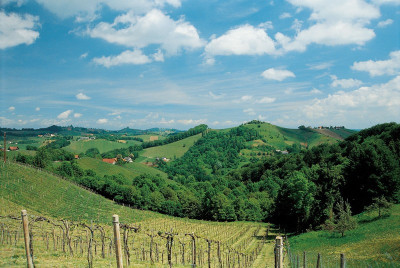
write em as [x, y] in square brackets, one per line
[219, 254]
[117, 239]
[27, 239]
[209, 253]
[4, 149]
[342, 261]
[193, 249]
[279, 252]
[319, 261]
[304, 260]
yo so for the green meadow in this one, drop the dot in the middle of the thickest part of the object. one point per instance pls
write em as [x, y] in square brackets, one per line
[128, 170]
[374, 243]
[78, 147]
[172, 150]
[280, 138]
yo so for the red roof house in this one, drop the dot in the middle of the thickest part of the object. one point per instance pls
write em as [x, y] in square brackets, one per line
[110, 160]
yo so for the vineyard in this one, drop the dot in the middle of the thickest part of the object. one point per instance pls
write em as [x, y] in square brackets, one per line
[157, 242]
[72, 227]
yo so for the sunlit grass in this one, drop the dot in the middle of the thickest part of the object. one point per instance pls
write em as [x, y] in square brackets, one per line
[375, 241]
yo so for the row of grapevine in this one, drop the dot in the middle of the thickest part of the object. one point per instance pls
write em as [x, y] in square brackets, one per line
[162, 242]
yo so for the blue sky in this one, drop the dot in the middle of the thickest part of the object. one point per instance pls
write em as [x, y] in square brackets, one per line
[179, 63]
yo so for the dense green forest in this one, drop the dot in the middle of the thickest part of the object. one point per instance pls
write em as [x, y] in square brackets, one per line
[213, 181]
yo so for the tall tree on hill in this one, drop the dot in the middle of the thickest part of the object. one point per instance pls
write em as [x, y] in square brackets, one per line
[42, 158]
[295, 200]
[343, 220]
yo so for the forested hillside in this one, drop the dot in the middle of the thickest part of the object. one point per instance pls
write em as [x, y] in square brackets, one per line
[240, 173]
[304, 187]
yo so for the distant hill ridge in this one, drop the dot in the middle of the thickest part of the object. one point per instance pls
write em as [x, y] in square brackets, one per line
[71, 130]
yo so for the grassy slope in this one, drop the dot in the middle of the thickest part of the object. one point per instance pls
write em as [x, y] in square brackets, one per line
[143, 169]
[171, 150]
[339, 134]
[48, 195]
[344, 133]
[373, 241]
[103, 145]
[101, 168]
[281, 137]
[16, 141]
[311, 137]
[129, 170]
[146, 137]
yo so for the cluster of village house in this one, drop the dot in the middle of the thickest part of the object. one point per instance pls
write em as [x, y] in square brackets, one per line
[87, 138]
[114, 160]
[282, 152]
[106, 160]
[48, 135]
[335, 127]
[11, 148]
[129, 160]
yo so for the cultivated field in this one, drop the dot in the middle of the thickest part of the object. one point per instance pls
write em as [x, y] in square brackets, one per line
[64, 215]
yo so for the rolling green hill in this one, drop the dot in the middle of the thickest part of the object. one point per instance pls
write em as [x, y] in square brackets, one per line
[78, 147]
[339, 134]
[146, 137]
[101, 168]
[172, 150]
[280, 138]
[129, 170]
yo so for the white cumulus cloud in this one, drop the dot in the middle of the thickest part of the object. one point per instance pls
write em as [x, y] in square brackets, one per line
[89, 8]
[315, 91]
[192, 121]
[243, 40]
[65, 115]
[382, 67]
[277, 74]
[126, 57]
[285, 15]
[374, 104]
[249, 111]
[154, 28]
[246, 98]
[17, 29]
[11, 108]
[341, 22]
[345, 83]
[81, 96]
[266, 100]
[102, 121]
[385, 23]
[77, 115]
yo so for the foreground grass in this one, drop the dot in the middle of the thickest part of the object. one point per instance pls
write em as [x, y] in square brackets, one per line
[375, 242]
